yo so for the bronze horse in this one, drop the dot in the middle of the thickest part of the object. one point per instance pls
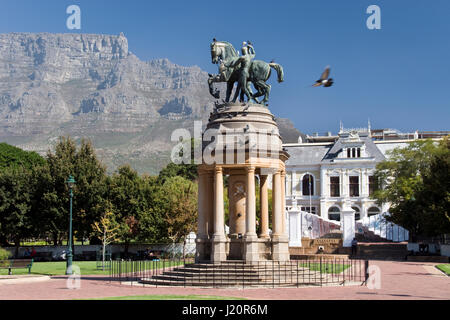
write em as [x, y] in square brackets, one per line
[224, 54]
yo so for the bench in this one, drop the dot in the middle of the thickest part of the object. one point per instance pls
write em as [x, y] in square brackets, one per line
[154, 255]
[18, 264]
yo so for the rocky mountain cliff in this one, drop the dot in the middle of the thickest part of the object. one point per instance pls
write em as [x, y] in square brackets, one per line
[89, 85]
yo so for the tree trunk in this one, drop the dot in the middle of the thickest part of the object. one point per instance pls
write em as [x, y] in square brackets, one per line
[103, 253]
[17, 245]
[55, 238]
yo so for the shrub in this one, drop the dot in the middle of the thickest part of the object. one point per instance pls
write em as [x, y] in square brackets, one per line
[4, 255]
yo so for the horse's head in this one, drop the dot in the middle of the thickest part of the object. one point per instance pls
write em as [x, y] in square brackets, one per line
[216, 52]
[221, 50]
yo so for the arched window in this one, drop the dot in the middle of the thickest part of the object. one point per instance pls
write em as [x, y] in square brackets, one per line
[334, 213]
[357, 213]
[308, 185]
[373, 211]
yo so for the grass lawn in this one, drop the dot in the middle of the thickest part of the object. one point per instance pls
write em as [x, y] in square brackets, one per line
[59, 268]
[169, 297]
[326, 267]
[445, 268]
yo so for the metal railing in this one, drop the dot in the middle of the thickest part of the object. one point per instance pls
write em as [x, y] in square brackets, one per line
[314, 226]
[317, 271]
[383, 228]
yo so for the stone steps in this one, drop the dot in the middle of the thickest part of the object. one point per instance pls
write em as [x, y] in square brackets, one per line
[230, 284]
[230, 275]
[224, 274]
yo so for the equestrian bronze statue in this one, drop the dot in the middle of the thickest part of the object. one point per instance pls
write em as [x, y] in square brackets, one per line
[242, 69]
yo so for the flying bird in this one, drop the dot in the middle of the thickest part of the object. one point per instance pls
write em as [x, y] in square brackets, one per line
[324, 80]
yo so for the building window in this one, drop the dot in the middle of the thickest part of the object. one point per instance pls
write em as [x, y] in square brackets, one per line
[372, 185]
[334, 187]
[354, 186]
[309, 209]
[334, 213]
[373, 211]
[308, 185]
[353, 152]
[357, 213]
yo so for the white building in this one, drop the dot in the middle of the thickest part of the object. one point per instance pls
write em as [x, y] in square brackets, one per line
[326, 172]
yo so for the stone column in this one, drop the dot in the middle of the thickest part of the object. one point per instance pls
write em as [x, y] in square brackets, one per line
[283, 200]
[202, 214]
[218, 240]
[324, 184]
[364, 182]
[294, 183]
[250, 204]
[288, 184]
[264, 199]
[280, 246]
[251, 244]
[276, 205]
[218, 202]
[344, 184]
[209, 203]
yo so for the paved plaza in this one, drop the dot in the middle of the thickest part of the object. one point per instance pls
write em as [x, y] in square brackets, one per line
[399, 280]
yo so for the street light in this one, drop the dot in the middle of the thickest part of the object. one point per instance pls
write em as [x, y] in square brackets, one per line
[70, 182]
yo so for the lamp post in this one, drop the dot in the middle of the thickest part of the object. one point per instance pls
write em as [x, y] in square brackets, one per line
[70, 182]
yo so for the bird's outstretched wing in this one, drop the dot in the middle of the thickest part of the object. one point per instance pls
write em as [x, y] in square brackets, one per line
[325, 74]
[317, 84]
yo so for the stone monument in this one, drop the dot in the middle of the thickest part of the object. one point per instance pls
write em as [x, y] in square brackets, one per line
[242, 146]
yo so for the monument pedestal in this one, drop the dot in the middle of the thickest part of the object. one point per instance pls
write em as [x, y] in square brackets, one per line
[218, 249]
[348, 225]
[251, 246]
[247, 148]
[236, 251]
[202, 249]
[280, 248]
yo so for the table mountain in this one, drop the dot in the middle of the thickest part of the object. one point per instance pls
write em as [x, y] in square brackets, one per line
[90, 85]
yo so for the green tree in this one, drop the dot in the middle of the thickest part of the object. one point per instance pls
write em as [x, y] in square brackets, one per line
[4, 256]
[17, 187]
[137, 206]
[415, 182]
[187, 171]
[89, 190]
[107, 229]
[13, 157]
[16, 204]
[179, 204]
[180, 197]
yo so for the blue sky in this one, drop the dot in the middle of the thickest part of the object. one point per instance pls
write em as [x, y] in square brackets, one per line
[396, 76]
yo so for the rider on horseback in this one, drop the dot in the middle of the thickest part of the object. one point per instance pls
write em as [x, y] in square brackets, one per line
[242, 69]
[248, 54]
